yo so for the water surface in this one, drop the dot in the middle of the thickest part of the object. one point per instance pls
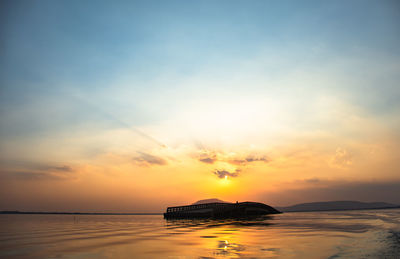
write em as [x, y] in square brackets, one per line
[340, 234]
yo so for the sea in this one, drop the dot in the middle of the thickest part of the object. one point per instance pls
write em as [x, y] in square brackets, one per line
[335, 234]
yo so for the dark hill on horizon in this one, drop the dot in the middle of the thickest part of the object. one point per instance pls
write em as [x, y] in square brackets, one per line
[214, 200]
[337, 205]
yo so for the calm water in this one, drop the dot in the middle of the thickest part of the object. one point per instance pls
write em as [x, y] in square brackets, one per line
[354, 234]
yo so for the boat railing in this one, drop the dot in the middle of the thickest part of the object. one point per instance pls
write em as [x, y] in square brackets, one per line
[198, 206]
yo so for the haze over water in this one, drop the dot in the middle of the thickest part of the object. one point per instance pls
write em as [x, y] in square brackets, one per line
[339, 234]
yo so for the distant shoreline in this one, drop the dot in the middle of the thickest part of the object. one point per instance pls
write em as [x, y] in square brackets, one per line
[386, 208]
[75, 213]
[160, 213]
[337, 205]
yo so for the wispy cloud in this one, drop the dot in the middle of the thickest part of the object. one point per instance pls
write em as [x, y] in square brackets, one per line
[207, 160]
[40, 172]
[89, 104]
[312, 180]
[207, 156]
[26, 175]
[52, 168]
[210, 157]
[342, 158]
[146, 159]
[249, 159]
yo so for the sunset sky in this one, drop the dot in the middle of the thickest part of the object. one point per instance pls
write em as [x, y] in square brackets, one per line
[139, 105]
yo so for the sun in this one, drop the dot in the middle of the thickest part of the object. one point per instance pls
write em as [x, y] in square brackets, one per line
[224, 181]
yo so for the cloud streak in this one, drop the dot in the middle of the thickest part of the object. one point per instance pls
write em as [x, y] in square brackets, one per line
[26, 175]
[207, 160]
[50, 168]
[210, 157]
[249, 159]
[40, 172]
[111, 117]
[145, 159]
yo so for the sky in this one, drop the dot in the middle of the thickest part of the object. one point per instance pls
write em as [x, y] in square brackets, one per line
[133, 106]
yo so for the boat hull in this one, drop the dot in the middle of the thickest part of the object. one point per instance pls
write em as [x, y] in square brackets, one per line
[220, 210]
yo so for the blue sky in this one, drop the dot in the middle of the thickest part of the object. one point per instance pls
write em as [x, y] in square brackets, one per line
[52, 46]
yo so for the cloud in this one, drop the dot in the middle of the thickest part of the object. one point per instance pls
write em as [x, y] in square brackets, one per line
[63, 168]
[21, 165]
[210, 157]
[249, 159]
[342, 158]
[207, 160]
[145, 159]
[99, 109]
[222, 173]
[207, 156]
[26, 175]
[312, 180]
[40, 172]
[51, 168]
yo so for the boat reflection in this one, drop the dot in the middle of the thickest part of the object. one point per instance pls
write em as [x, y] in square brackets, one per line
[265, 220]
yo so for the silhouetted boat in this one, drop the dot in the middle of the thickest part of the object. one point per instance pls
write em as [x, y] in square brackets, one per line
[220, 210]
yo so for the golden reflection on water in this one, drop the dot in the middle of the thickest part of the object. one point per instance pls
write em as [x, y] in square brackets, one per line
[219, 238]
[255, 238]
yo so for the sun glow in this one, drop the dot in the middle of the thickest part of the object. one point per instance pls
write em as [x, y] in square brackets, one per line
[224, 181]
[234, 118]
